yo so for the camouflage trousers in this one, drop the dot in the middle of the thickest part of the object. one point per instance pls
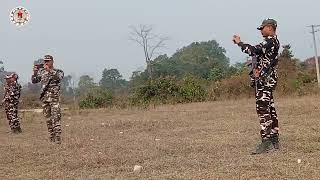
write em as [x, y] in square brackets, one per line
[266, 111]
[52, 112]
[12, 115]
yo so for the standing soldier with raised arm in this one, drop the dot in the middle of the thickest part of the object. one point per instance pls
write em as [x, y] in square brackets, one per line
[265, 77]
[12, 91]
[50, 79]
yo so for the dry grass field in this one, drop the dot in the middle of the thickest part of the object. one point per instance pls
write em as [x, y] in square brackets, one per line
[210, 140]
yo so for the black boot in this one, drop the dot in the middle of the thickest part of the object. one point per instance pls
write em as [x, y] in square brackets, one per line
[52, 139]
[58, 140]
[15, 130]
[275, 142]
[264, 147]
[18, 130]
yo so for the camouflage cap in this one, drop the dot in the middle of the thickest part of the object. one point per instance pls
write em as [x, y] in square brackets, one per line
[266, 22]
[7, 76]
[11, 75]
[48, 58]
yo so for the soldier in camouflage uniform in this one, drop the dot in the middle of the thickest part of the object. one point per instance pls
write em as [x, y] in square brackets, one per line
[264, 80]
[50, 79]
[12, 91]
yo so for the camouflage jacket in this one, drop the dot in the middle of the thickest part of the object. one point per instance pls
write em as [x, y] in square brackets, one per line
[266, 53]
[51, 82]
[12, 93]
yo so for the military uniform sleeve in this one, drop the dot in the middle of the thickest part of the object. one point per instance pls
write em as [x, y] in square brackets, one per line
[6, 93]
[257, 49]
[35, 78]
[15, 93]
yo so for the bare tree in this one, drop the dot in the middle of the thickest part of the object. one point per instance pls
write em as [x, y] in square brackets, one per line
[150, 42]
[3, 72]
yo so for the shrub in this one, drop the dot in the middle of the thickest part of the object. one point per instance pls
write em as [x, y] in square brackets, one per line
[96, 97]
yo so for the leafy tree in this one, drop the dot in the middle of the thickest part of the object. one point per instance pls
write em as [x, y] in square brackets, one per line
[85, 83]
[112, 80]
[286, 52]
[198, 58]
[66, 85]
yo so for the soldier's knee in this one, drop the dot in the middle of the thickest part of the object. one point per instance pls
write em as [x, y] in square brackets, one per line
[262, 106]
[46, 110]
[56, 110]
[46, 113]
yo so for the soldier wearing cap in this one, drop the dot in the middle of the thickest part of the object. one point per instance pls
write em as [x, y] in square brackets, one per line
[264, 78]
[12, 91]
[50, 79]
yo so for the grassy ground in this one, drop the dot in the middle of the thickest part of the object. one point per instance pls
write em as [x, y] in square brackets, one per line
[193, 141]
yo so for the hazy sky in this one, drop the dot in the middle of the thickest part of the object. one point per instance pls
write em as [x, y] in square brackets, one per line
[87, 36]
